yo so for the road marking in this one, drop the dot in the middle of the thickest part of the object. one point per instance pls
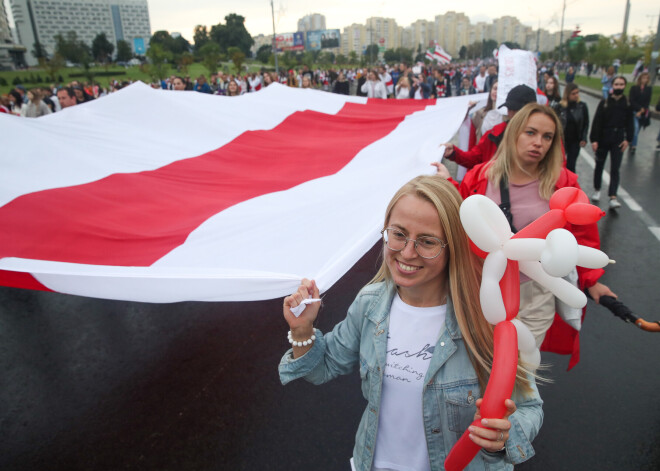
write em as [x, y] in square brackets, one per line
[653, 226]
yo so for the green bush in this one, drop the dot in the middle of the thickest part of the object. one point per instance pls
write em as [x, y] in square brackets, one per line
[16, 81]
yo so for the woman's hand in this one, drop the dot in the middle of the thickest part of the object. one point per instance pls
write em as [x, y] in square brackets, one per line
[449, 149]
[442, 170]
[594, 146]
[623, 145]
[583, 143]
[495, 436]
[307, 289]
[598, 290]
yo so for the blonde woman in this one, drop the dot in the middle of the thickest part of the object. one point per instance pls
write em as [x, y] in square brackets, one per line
[419, 339]
[528, 167]
[403, 88]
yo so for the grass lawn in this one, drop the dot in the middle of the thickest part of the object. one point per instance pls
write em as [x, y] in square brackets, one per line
[119, 73]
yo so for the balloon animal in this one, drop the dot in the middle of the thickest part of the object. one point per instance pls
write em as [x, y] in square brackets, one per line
[543, 251]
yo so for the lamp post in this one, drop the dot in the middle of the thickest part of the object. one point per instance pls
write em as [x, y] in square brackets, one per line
[272, 9]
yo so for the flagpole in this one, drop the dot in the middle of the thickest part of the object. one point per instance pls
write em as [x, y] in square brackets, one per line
[277, 69]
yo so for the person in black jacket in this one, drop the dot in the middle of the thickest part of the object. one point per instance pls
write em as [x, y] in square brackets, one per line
[611, 131]
[341, 85]
[574, 116]
[640, 100]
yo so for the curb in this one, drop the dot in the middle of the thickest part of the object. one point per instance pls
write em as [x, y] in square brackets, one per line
[597, 94]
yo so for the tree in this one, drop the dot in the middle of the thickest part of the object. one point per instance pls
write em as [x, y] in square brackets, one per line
[327, 57]
[200, 37]
[73, 49]
[184, 60]
[264, 53]
[600, 53]
[371, 52]
[210, 54]
[158, 58]
[102, 49]
[622, 48]
[124, 52]
[39, 51]
[462, 53]
[352, 57]
[341, 59]
[237, 57]
[52, 65]
[577, 50]
[232, 34]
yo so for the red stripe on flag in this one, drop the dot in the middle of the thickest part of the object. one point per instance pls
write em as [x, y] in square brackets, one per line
[135, 219]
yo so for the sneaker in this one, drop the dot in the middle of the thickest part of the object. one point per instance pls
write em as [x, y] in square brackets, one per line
[596, 196]
[632, 150]
[658, 146]
[614, 203]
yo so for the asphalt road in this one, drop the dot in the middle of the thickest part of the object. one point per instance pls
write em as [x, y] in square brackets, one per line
[103, 385]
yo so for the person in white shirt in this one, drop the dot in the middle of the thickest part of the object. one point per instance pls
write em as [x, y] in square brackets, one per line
[480, 80]
[373, 87]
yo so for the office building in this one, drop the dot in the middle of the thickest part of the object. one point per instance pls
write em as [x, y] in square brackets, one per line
[41, 20]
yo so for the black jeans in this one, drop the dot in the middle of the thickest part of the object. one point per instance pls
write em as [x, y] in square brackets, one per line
[601, 155]
[572, 152]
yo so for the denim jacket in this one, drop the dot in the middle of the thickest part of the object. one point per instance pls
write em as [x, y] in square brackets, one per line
[449, 395]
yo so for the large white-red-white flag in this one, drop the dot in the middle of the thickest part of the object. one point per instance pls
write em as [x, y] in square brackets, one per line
[163, 196]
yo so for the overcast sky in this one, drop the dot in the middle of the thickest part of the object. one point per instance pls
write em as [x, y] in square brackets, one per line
[593, 16]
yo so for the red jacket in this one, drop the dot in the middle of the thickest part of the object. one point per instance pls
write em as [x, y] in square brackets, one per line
[560, 338]
[483, 151]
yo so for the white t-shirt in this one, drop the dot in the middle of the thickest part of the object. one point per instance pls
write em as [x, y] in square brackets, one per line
[413, 333]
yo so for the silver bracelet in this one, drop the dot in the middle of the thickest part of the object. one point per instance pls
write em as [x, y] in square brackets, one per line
[304, 343]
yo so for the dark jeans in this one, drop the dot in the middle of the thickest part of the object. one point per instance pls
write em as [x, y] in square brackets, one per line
[615, 163]
[572, 152]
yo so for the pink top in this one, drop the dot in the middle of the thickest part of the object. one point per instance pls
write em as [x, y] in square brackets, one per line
[526, 205]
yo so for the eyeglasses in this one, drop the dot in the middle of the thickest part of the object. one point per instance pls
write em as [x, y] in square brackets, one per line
[425, 246]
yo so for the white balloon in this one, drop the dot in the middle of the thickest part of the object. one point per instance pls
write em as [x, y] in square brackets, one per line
[490, 294]
[558, 286]
[524, 249]
[526, 342]
[484, 223]
[495, 265]
[531, 360]
[492, 304]
[589, 257]
[560, 254]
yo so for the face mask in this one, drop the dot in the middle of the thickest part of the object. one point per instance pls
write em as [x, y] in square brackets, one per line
[617, 91]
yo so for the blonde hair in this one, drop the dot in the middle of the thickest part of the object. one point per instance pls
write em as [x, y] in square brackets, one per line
[505, 158]
[464, 273]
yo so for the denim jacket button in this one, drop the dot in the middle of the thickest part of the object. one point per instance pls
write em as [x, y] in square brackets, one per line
[442, 344]
[436, 430]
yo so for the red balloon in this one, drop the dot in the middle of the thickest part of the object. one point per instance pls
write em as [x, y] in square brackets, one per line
[510, 288]
[583, 213]
[499, 388]
[564, 197]
[542, 226]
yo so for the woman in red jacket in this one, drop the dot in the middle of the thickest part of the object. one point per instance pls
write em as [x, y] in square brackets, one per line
[528, 166]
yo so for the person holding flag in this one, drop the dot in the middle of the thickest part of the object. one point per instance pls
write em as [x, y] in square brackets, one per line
[424, 350]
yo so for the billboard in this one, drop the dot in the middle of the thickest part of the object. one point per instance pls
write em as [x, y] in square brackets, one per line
[138, 46]
[289, 42]
[322, 39]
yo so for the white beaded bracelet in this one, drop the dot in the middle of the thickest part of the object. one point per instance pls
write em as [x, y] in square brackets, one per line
[304, 343]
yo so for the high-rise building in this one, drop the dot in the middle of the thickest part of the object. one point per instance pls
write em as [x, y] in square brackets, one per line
[311, 22]
[354, 38]
[41, 20]
[383, 32]
[11, 55]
